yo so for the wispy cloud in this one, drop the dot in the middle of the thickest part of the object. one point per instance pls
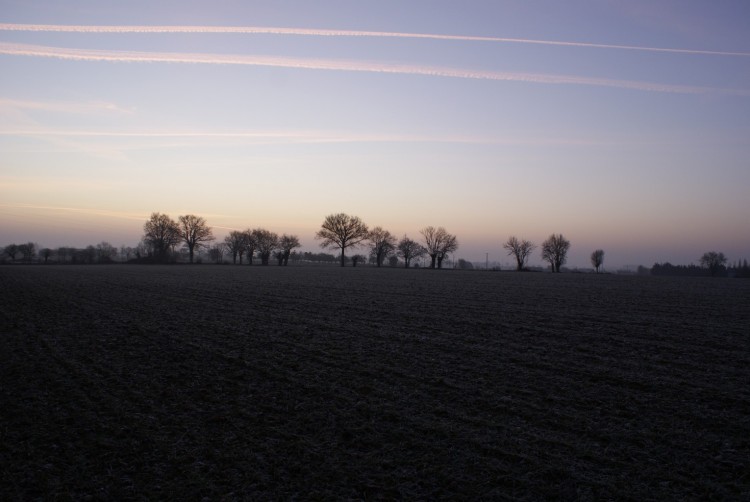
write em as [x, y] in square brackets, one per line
[344, 33]
[347, 65]
[301, 137]
[78, 210]
[88, 107]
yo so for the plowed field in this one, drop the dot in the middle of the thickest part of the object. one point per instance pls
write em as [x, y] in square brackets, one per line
[315, 382]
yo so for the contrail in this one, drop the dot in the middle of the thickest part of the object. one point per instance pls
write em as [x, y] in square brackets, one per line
[345, 65]
[343, 33]
[299, 137]
[97, 212]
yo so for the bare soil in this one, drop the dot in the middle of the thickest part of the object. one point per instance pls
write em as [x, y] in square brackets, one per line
[229, 382]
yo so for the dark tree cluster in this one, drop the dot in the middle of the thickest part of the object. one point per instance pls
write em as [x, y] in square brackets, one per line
[712, 263]
[554, 250]
[103, 252]
[260, 242]
[342, 231]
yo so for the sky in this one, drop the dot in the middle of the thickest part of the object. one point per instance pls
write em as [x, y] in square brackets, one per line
[625, 126]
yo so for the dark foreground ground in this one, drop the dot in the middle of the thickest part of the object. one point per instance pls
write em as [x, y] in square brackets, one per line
[281, 383]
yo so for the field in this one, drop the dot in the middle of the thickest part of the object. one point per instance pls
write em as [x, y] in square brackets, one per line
[319, 382]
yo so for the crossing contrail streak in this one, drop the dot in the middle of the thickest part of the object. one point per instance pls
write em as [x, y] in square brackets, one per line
[346, 65]
[343, 33]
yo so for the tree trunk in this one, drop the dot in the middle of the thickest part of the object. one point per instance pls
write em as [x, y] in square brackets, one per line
[433, 258]
[343, 258]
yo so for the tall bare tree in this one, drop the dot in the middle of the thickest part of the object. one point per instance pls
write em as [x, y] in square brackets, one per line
[161, 234]
[434, 241]
[520, 249]
[251, 244]
[382, 243]
[597, 259]
[448, 246]
[713, 261]
[195, 232]
[265, 241]
[555, 251]
[286, 244]
[235, 243]
[342, 231]
[409, 249]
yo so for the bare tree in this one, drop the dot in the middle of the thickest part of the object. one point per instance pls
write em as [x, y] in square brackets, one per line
[382, 244]
[342, 231]
[216, 252]
[46, 253]
[235, 243]
[251, 244]
[448, 246]
[11, 250]
[438, 243]
[125, 252]
[597, 259]
[432, 242]
[161, 234]
[105, 252]
[265, 241]
[555, 251]
[520, 249]
[286, 244]
[28, 251]
[713, 261]
[195, 232]
[409, 249]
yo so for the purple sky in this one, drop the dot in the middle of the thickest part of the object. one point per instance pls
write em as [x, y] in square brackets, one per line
[622, 125]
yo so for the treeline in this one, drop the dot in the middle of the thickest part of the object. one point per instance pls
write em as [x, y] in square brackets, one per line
[189, 238]
[738, 269]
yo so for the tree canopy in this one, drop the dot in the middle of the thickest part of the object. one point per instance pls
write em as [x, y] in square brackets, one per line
[342, 231]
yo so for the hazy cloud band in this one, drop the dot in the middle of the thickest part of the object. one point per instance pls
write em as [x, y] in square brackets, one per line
[344, 65]
[340, 33]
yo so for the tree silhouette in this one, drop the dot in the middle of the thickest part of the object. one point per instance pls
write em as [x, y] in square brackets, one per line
[597, 259]
[438, 243]
[713, 261]
[250, 244]
[11, 250]
[195, 232]
[45, 253]
[161, 234]
[409, 249]
[448, 246]
[555, 251]
[382, 243]
[286, 244]
[358, 258]
[235, 243]
[342, 231]
[216, 252]
[265, 241]
[520, 249]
